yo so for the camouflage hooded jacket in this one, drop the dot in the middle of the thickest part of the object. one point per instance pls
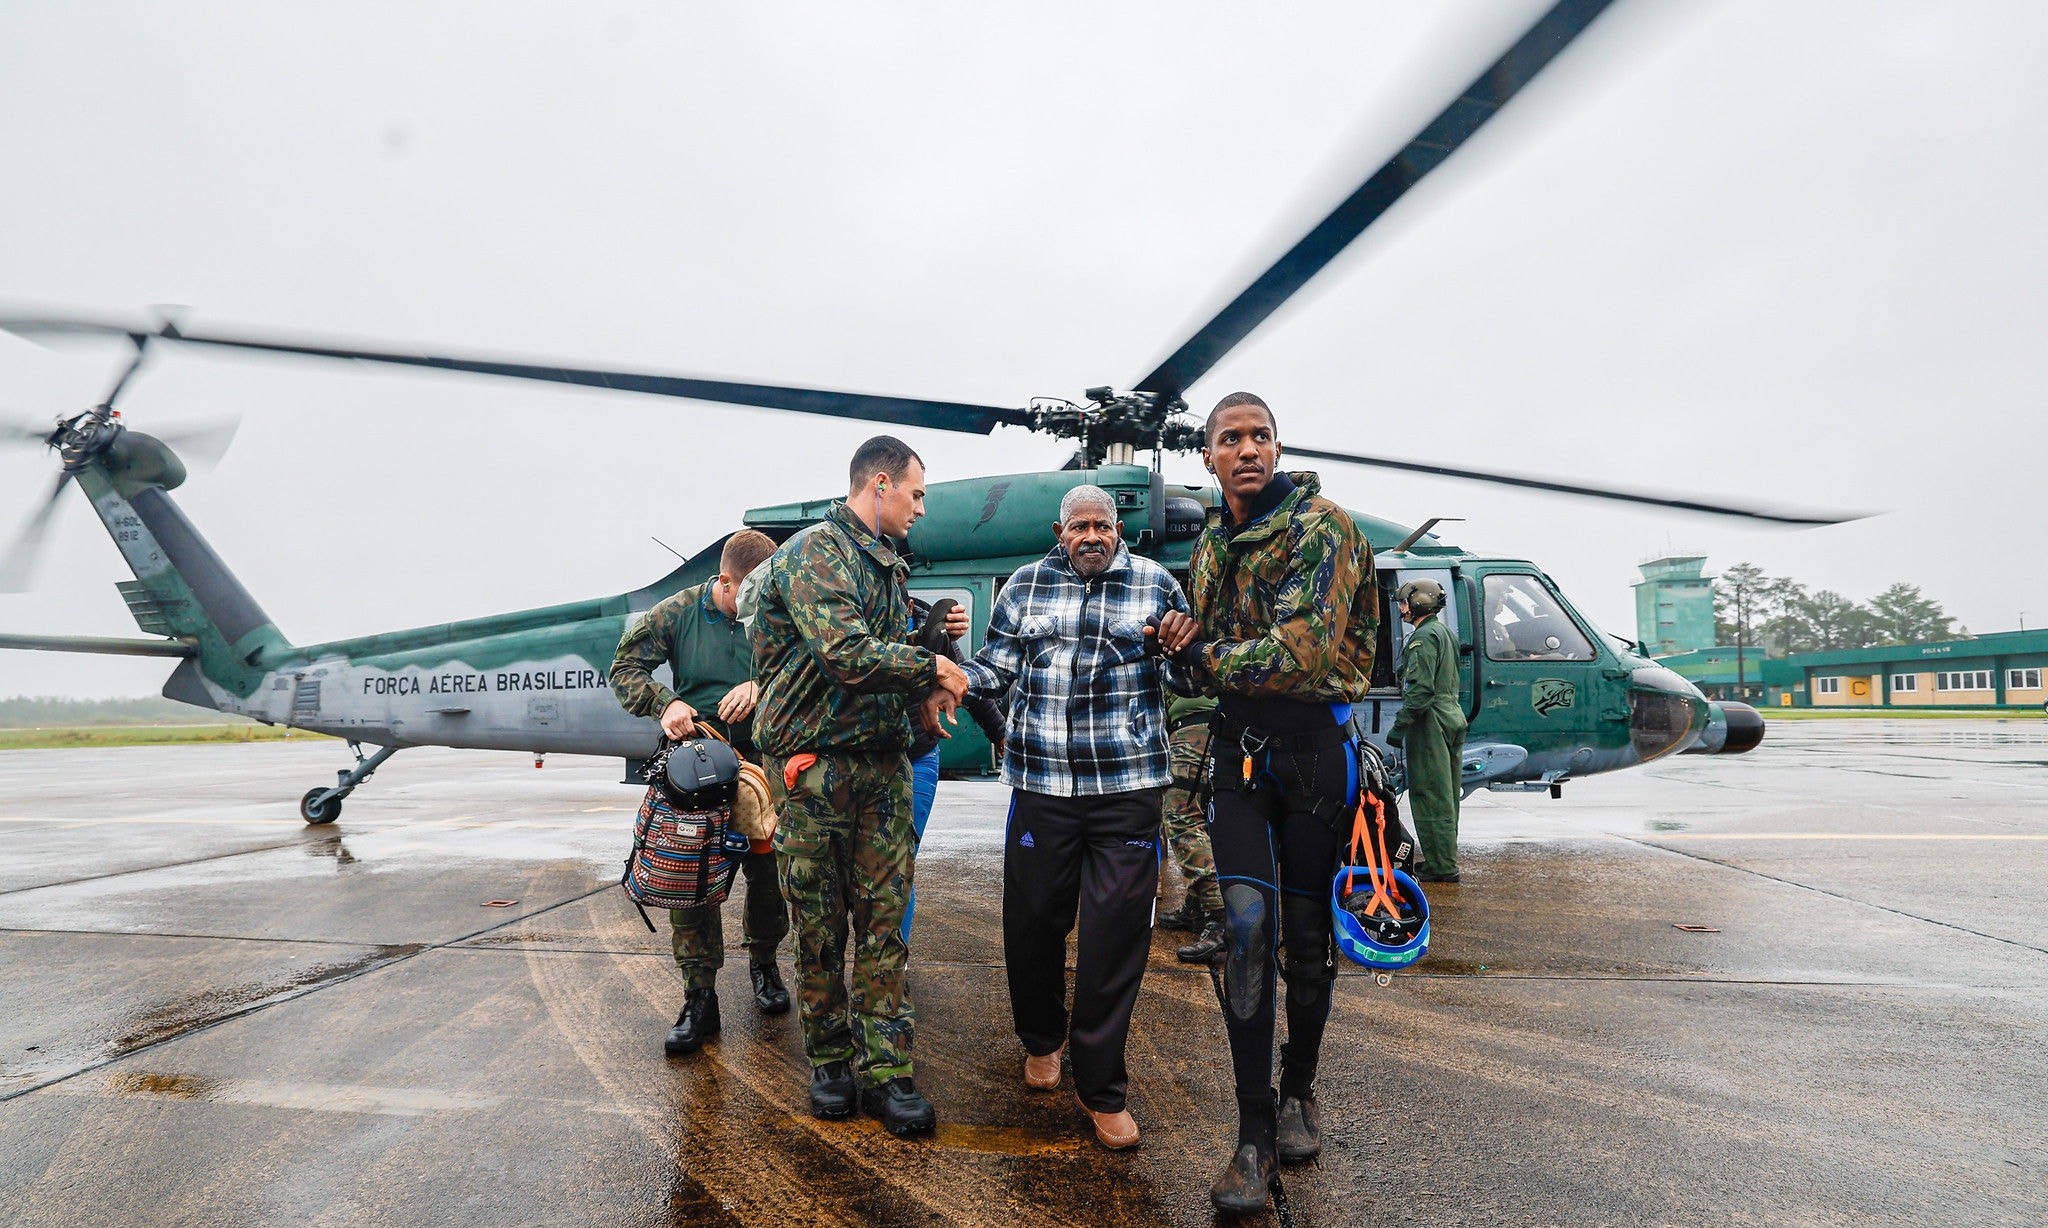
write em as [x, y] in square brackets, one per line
[829, 648]
[1288, 604]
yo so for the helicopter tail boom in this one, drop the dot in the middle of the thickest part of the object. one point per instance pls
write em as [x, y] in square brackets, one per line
[182, 589]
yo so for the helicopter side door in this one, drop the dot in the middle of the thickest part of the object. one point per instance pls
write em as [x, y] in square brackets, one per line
[1538, 662]
[1385, 697]
[967, 750]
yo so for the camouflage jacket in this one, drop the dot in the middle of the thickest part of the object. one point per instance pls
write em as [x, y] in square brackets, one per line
[707, 654]
[829, 643]
[1288, 604]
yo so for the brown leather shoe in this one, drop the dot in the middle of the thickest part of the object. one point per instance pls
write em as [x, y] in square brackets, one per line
[1116, 1131]
[1043, 1072]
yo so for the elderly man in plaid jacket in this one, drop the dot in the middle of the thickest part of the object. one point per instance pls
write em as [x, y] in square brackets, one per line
[1073, 641]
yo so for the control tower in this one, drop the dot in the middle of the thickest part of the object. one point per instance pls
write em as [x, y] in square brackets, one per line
[1675, 605]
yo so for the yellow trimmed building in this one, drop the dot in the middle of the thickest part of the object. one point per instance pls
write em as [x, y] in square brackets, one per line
[2001, 670]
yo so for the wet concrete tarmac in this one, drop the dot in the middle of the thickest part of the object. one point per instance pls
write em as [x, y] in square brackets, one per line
[211, 1014]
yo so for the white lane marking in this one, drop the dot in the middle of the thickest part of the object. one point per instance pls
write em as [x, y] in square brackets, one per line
[463, 820]
[1834, 835]
[312, 1097]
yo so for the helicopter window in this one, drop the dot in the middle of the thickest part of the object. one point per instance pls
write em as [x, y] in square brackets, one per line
[1524, 622]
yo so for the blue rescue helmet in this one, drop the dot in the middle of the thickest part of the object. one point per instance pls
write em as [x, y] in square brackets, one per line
[1379, 943]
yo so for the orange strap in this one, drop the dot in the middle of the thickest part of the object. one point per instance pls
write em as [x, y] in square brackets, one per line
[795, 768]
[1378, 869]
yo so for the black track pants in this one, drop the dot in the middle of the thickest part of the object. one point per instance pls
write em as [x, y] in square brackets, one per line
[1274, 861]
[1100, 855]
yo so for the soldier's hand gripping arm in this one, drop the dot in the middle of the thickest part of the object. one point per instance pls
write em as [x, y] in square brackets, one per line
[1173, 630]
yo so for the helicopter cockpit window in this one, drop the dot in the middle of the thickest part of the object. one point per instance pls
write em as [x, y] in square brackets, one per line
[1524, 622]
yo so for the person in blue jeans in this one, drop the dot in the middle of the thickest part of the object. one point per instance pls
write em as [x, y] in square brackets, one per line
[929, 622]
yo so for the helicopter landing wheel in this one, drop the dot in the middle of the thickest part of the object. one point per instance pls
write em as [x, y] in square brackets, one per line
[315, 811]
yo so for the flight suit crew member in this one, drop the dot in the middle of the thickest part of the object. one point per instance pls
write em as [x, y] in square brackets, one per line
[1431, 728]
[696, 633]
[1284, 593]
[1073, 642]
[1187, 829]
[836, 674]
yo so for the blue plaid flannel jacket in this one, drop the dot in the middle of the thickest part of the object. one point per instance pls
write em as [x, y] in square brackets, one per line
[1087, 707]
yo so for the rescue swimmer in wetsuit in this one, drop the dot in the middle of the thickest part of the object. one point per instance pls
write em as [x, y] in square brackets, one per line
[1431, 728]
[1284, 601]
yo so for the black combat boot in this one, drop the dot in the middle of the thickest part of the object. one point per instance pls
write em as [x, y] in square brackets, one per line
[1207, 945]
[1188, 917]
[900, 1107]
[1245, 1183]
[832, 1095]
[1299, 1134]
[769, 993]
[697, 1024]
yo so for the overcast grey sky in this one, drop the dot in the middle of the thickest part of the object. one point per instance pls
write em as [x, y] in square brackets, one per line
[1787, 251]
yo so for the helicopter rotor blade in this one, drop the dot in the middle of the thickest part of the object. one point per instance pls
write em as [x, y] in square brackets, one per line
[1785, 516]
[17, 430]
[1501, 81]
[141, 343]
[904, 411]
[20, 559]
[201, 444]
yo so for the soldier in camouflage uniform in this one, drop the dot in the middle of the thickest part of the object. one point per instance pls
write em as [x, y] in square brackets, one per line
[711, 662]
[836, 674]
[1286, 603]
[1187, 830]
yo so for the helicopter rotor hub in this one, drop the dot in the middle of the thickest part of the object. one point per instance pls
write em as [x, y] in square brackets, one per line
[87, 435]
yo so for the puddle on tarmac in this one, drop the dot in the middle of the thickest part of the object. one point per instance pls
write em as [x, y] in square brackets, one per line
[327, 843]
[983, 1140]
[163, 1086]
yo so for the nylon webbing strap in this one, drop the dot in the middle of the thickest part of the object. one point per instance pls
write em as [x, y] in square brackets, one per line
[1379, 869]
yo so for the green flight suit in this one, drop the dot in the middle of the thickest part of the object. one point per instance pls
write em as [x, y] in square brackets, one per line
[836, 676]
[1431, 732]
[1187, 827]
[707, 654]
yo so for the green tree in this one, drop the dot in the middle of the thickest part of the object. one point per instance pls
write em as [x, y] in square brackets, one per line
[1900, 615]
[1835, 622]
[1738, 609]
[1785, 629]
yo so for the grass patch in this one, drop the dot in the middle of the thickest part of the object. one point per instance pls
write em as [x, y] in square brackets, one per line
[1902, 714]
[55, 712]
[144, 735]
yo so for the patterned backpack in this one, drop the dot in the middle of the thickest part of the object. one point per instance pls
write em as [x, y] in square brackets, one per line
[686, 845]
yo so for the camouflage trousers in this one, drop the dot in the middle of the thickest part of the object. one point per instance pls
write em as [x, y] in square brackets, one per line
[697, 935]
[1187, 828]
[846, 845]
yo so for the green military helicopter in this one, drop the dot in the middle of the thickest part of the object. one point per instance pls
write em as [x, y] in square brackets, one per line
[1550, 697]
